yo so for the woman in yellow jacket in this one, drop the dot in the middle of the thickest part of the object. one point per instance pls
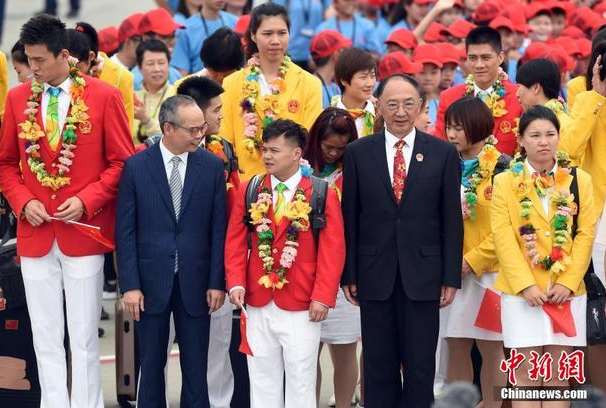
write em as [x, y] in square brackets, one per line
[469, 126]
[542, 255]
[270, 87]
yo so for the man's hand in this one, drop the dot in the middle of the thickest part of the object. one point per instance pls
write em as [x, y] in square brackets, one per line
[72, 209]
[351, 294]
[447, 295]
[443, 5]
[558, 294]
[133, 303]
[35, 213]
[317, 312]
[236, 297]
[215, 299]
[534, 296]
[598, 85]
[140, 112]
[465, 269]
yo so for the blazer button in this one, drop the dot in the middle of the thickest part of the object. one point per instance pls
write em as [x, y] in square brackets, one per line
[54, 196]
[275, 251]
[547, 233]
[54, 165]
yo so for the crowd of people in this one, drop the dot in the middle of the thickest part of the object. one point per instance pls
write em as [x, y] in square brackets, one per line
[423, 178]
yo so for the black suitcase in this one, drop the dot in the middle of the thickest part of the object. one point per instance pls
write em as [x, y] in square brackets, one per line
[127, 357]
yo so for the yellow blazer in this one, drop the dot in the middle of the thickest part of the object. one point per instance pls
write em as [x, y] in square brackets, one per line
[574, 87]
[301, 102]
[3, 82]
[120, 77]
[516, 273]
[478, 242]
[585, 143]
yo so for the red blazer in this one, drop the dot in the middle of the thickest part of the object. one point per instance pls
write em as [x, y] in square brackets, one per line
[314, 275]
[503, 126]
[95, 172]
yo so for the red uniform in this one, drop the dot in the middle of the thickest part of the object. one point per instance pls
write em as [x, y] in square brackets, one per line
[503, 126]
[314, 275]
[95, 172]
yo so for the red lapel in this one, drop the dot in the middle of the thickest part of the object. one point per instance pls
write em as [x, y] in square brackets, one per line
[304, 184]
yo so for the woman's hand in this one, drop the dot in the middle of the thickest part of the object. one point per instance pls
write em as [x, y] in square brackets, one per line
[534, 296]
[559, 294]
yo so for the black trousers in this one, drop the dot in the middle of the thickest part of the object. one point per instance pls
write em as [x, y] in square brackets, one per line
[51, 6]
[399, 335]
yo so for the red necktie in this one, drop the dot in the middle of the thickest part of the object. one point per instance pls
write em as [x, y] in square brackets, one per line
[399, 171]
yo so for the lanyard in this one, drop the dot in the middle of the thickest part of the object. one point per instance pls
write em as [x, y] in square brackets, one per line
[306, 11]
[353, 37]
[324, 86]
[206, 27]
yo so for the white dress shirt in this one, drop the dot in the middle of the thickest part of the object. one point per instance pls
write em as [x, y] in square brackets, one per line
[117, 61]
[477, 89]
[390, 149]
[168, 166]
[291, 186]
[544, 200]
[369, 107]
[64, 98]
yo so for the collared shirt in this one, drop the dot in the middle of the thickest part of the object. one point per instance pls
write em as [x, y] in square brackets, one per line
[390, 149]
[173, 76]
[291, 186]
[152, 103]
[477, 89]
[369, 107]
[117, 61]
[64, 98]
[544, 200]
[360, 30]
[167, 156]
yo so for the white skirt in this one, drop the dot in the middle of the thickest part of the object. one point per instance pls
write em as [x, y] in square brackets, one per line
[342, 326]
[528, 326]
[459, 318]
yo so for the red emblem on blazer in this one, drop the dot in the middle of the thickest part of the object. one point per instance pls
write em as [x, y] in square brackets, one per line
[505, 126]
[11, 325]
[488, 193]
[293, 106]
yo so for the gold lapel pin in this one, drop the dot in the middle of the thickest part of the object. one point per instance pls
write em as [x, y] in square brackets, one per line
[420, 157]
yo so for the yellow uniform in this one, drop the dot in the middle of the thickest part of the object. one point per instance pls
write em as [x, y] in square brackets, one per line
[152, 103]
[574, 87]
[301, 102]
[516, 273]
[3, 82]
[120, 77]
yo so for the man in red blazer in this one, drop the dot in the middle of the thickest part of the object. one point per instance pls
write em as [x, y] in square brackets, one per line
[284, 311]
[484, 56]
[64, 140]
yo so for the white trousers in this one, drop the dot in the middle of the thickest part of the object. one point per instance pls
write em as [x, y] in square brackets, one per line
[282, 342]
[81, 278]
[219, 373]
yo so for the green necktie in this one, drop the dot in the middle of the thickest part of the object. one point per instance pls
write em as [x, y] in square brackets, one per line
[280, 202]
[52, 118]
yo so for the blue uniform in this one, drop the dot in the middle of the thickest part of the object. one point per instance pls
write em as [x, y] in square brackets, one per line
[328, 91]
[304, 15]
[383, 29]
[433, 105]
[360, 30]
[186, 55]
[173, 76]
[401, 24]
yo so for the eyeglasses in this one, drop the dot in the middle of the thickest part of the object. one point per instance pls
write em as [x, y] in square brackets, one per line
[408, 106]
[194, 130]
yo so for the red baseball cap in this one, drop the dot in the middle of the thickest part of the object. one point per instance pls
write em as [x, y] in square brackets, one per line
[584, 46]
[158, 21]
[558, 55]
[536, 8]
[458, 29]
[573, 32]
[502, 22]
[433, 33]
[397, 63]
[129, 27]
[569, 45]
[600, 8]
[242, 24]
[427, 54]
[534, 50]
[516, 14]
[585, 19]
[449, 53]
[108, 39]
[327, 42]
[566, 6]
[402, 37]
[373, 3]
[485, 12]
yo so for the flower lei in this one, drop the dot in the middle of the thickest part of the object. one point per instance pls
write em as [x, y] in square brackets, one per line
[97, 68]
[31, 132]
[487, 159]
[297, 212]
[268, 103]
[562, 199]
[494, 100]
[556, 106]
[215, 146]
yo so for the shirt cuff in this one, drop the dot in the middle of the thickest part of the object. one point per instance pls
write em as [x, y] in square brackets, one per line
[237, 287]
[320, 303]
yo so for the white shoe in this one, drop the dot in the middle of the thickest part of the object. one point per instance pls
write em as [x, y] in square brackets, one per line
[332, 402]
[359, 406]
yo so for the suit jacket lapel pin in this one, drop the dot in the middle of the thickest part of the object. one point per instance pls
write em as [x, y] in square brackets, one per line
[420, 157]
[293, 106]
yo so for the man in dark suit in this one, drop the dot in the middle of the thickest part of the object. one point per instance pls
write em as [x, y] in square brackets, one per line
[404, 237]
[170, 233]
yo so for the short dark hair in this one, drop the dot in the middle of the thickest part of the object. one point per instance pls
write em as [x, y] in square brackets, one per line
[18, 53]
[292, 131]
[597, 49]
[152, 45]
[484, 35]
[405, 78]
[201, 89]
[473, 116]
[350, 61]
[331, 121]
[269, 9]
[320, 62]
[91, 33]
[222, 51]
[78, 44]
[45, 30]
[169, 108]
[543, 72]
[537, 112]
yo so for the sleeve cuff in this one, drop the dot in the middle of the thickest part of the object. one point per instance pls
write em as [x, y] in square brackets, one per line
[237, 287]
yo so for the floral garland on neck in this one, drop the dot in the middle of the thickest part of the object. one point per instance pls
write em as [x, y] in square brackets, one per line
[556, 106]
[487, 159]
[215, 146]
[557, 261]
[297, 212]
[97, 68]
[494, 100]
[268, 103]
[32, 132]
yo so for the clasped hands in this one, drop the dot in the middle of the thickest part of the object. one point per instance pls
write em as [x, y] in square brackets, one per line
[35, 213]
[534, 296]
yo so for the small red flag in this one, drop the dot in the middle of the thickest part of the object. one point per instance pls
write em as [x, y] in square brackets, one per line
[244, 346]
[489, 315]
[561, 318]
[94, 233]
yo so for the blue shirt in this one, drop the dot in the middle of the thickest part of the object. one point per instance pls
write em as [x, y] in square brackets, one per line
[433, 105]
[401, 24]
[383, 29]
[359, 27]
[180, 18]
[186, 55]
[173, 76]
[173, 4]
[305, 15]
[328, 91]
[512, 70]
